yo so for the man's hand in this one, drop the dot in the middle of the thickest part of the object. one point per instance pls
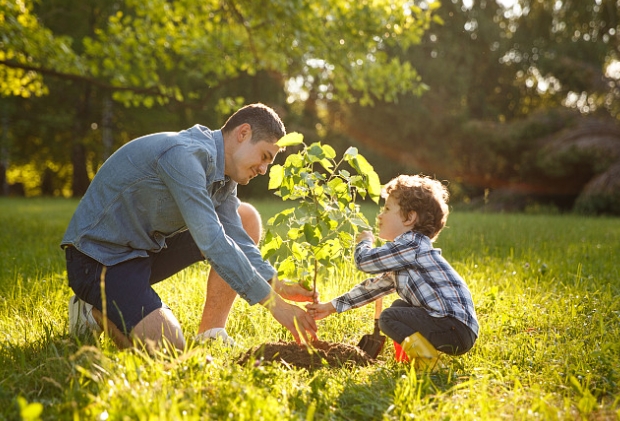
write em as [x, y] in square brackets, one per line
[295, 319]
[294, 292]
[319, 311]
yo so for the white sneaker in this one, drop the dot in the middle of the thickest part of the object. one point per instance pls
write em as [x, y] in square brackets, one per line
[81, 318]
[215, 334]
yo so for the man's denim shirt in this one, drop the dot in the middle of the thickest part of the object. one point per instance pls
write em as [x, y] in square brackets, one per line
[158, 185]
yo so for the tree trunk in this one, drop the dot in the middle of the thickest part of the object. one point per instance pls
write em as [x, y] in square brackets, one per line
[107, 134]
[80, 179]
[4, 153]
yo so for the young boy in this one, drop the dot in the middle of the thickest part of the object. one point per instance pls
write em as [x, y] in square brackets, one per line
[435, 311]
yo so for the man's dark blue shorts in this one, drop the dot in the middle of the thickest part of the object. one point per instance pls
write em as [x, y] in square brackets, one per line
[128, 285]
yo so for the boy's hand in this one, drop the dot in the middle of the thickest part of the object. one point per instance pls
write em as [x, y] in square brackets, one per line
[319, 311]
[294, 291]
[365, 235]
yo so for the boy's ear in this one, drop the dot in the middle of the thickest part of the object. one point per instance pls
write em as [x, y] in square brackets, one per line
[410, 221]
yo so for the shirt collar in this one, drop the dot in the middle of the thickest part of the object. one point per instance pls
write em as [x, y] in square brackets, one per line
[220, 163]
[218, 140]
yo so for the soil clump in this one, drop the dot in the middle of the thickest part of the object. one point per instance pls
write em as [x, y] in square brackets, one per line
[320, 355]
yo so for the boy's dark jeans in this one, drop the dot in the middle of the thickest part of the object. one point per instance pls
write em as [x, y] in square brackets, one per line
[447, 334]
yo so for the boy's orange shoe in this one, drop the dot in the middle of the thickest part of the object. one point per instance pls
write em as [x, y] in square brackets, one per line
[424, 354]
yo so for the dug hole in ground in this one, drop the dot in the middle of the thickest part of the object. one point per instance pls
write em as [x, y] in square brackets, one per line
[318, 354]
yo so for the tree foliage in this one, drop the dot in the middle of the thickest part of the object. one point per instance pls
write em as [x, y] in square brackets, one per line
[502, 82]
[156, 50]
[189, 58]
[322, 225]
[496, 79]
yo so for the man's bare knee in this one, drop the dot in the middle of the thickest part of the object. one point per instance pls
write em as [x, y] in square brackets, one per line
[117, 336]
[251, 220]
[158, 326]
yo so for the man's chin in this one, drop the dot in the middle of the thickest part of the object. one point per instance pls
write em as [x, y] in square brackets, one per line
[245, 181]
[239, 180]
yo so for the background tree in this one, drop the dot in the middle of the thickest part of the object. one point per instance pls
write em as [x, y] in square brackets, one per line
[184, 56]
[504, 84]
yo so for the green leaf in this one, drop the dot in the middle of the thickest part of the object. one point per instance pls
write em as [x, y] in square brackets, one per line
[337, 185]
[294, 233]
[361, 222]
[361, 164]
[346, 239]
[298, 252]
[327, 164]
[287, 268]
[315, 152]
[276, 176]
[312, 234]
[330, 153]
[294, 161]
[350, 153]
[290, 139]
[327, 251]
[326, 218]
[280, 217]
[271, 246]
[323, 253]
[374, 186]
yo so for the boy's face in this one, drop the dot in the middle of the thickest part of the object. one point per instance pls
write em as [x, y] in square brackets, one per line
[391, 222]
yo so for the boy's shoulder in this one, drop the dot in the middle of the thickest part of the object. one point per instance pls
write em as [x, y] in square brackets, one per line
[414, 239]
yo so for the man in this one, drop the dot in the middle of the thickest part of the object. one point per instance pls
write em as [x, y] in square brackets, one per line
[161, 203]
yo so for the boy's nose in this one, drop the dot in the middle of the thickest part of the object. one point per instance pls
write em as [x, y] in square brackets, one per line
[262, 169]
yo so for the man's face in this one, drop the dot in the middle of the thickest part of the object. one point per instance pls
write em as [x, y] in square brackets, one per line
[251, 159]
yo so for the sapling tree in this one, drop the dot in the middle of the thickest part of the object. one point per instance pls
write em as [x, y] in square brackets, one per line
[320, 228]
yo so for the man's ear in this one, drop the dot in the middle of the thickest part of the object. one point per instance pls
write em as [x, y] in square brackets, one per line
[243, 132]
[410, 221]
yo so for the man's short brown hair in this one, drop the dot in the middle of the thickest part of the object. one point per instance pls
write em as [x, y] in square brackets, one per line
[264, 121]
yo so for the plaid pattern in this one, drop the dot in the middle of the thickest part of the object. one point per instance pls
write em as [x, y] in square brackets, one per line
[418, 273]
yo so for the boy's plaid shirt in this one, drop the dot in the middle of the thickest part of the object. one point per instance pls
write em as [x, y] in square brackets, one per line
[419, 274]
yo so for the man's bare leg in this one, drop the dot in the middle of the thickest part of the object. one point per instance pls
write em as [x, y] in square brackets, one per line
[220, 296]
[157, 326]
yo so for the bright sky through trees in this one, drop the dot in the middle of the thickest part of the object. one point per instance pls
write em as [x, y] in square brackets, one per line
[508, 4]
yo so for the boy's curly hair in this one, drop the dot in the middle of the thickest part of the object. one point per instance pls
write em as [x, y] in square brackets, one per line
[426, 196]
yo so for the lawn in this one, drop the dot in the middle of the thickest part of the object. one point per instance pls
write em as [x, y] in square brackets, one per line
[546, 289]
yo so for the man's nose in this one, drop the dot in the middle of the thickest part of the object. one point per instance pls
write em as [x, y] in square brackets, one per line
[262, 169]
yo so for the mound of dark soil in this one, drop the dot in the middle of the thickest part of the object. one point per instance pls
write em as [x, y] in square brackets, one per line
[320, 354]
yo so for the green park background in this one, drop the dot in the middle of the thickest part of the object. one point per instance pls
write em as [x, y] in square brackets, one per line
[515, 103]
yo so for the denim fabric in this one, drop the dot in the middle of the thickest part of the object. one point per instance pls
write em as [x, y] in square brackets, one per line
[447, 334]
[159, 185]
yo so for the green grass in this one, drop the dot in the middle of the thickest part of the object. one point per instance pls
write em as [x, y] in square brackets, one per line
[546, 288]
